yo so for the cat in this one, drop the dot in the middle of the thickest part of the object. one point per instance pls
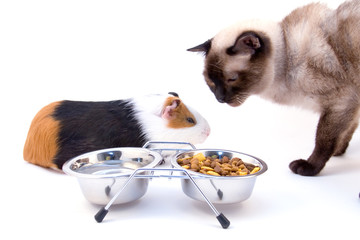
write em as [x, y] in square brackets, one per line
[310, 59]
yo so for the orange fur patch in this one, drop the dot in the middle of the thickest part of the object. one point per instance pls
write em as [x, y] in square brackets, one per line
[181, 113]
[41, 142]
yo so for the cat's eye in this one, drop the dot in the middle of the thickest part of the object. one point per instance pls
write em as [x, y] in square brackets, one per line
[190, 120]
[233, 79]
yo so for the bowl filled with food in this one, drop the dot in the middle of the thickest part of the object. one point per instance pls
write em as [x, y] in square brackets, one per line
[224, 176]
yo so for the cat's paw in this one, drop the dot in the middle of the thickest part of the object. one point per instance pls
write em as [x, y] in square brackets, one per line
[303, 167]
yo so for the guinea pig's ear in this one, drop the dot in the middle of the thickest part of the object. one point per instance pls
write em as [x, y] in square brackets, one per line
[246, 43]
[174, 94]
[168, 111]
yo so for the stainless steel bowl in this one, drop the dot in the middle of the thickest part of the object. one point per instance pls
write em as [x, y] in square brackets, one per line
[220, 189]
[101, 174]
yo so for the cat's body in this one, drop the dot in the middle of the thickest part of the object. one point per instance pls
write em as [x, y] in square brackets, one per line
[310, 59]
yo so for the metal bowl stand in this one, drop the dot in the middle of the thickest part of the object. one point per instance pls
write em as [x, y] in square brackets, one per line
[100, 215]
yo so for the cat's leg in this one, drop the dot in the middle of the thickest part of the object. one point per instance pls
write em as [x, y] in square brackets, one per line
[333, 123]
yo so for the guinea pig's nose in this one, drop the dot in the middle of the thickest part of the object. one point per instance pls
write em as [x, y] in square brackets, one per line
[207, 132]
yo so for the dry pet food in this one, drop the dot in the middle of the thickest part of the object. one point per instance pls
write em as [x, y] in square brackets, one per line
[213, 165]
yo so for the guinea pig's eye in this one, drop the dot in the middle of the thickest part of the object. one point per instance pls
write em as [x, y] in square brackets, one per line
[190, 120]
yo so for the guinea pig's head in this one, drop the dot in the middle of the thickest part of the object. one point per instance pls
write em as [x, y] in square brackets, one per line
[183, 122]
[169, 119]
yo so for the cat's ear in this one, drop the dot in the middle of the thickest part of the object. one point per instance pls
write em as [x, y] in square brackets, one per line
[247, 43]
[204, 47]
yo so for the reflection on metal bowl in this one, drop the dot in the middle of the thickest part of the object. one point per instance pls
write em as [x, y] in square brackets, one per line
[101, 174]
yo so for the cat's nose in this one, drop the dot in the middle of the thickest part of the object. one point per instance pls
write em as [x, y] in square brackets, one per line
[220, 100]
[219, 94]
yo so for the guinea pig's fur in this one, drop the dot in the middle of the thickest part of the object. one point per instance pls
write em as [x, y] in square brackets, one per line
[65, 129]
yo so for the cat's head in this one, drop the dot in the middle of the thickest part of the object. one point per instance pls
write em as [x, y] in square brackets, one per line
[238, 63]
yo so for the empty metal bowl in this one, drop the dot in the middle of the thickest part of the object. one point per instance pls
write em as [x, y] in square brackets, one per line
[220, 189]
[101, 174]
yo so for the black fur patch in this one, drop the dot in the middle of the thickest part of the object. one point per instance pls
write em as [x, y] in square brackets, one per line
[89, 126]
[174, 94]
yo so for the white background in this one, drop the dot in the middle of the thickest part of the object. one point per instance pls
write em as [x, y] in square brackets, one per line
[105, 50]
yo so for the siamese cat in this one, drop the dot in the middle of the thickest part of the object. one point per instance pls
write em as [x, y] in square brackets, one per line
[309, 59]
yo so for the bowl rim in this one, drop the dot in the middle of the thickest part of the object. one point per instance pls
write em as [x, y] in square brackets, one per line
[67, 165]
[263, 165]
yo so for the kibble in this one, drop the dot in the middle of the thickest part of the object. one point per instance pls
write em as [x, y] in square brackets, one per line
[215, 166]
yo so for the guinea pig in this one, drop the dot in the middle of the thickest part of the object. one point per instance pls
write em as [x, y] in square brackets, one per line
[65, 129]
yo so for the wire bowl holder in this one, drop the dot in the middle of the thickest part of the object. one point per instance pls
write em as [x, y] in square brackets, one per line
[100, 215]
[148, 172]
